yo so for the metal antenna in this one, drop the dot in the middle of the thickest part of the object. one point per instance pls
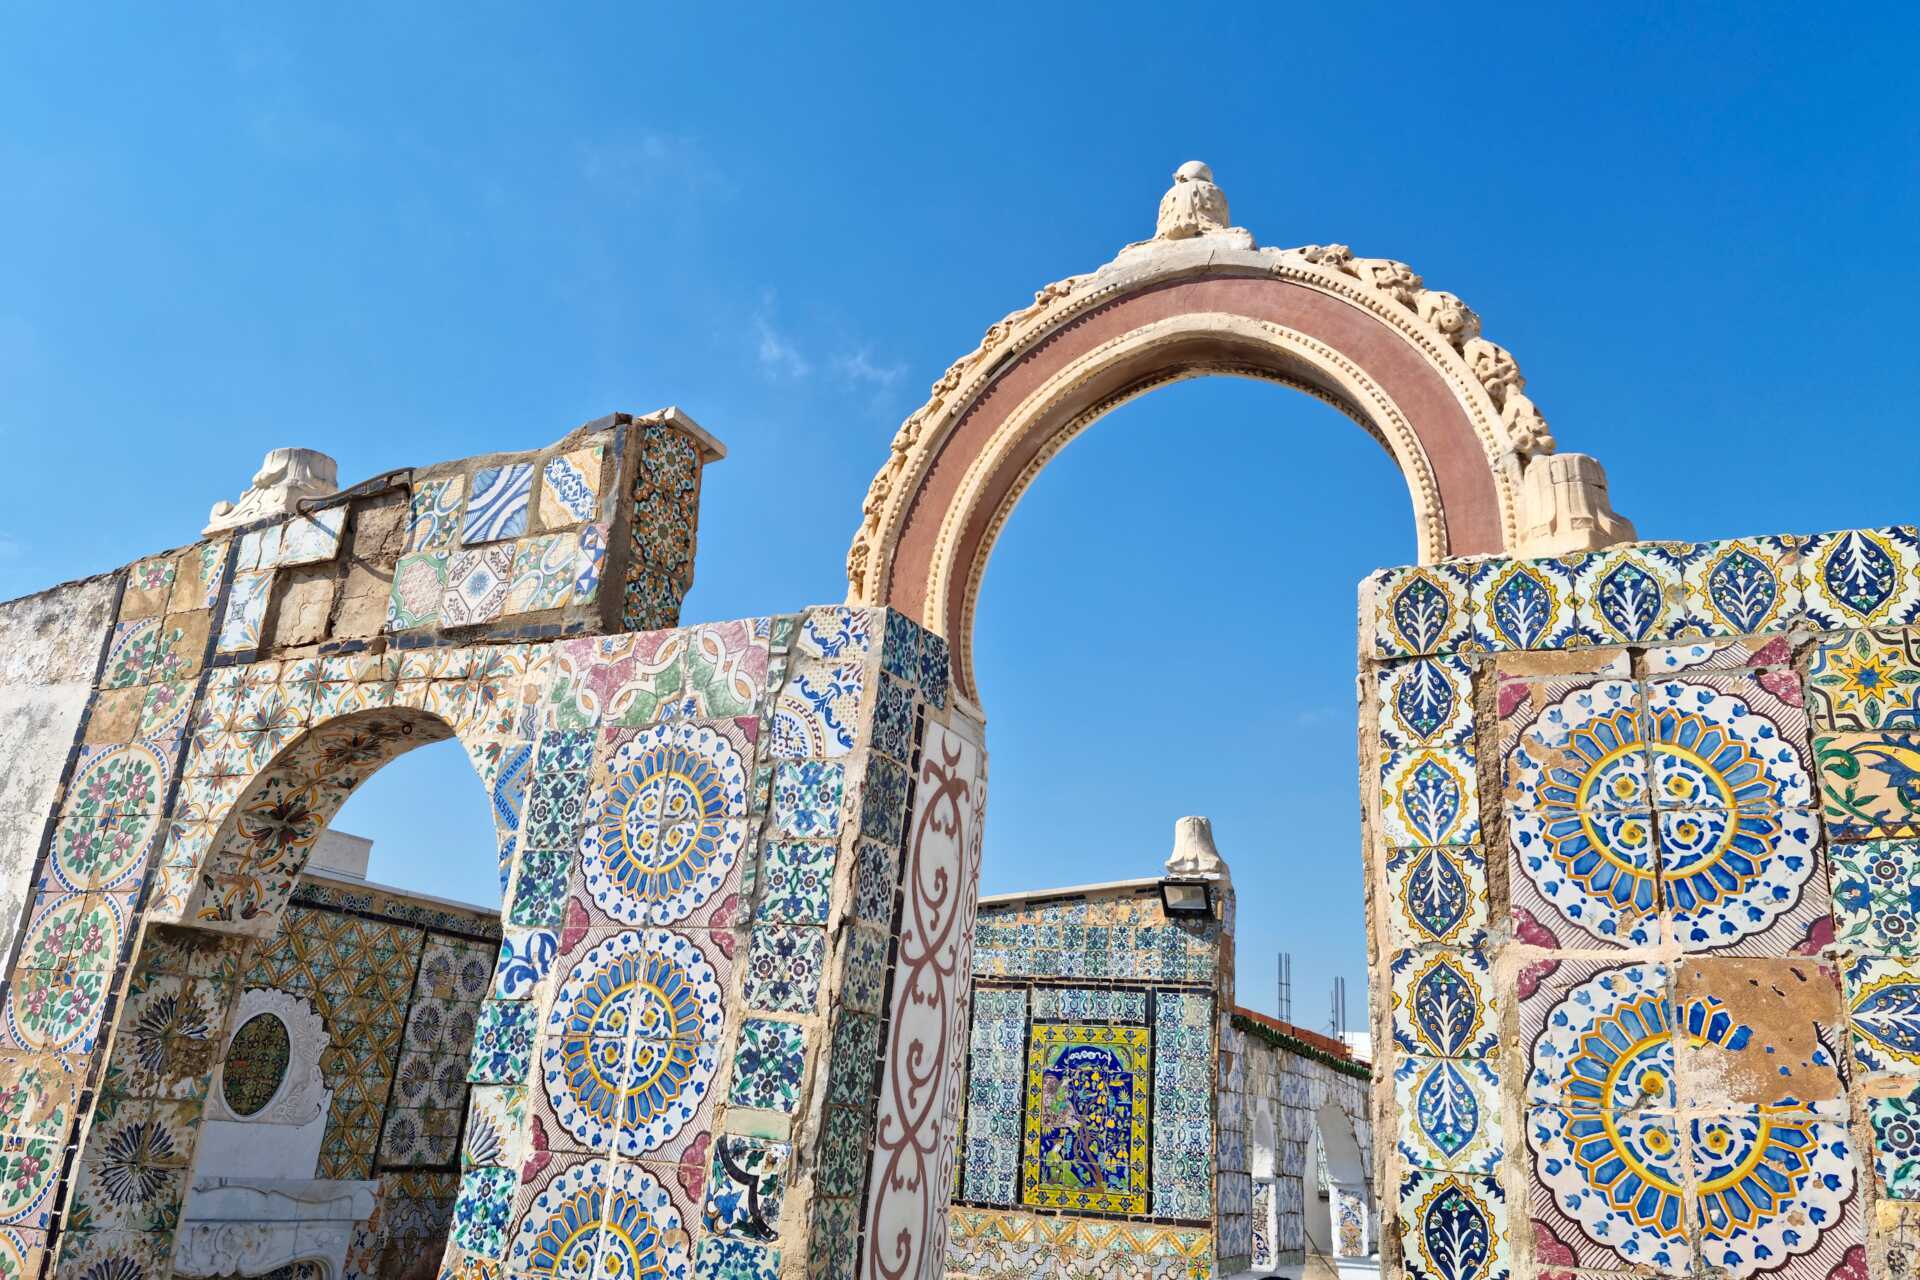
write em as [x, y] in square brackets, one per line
[1339, 1007]
[1286, 986]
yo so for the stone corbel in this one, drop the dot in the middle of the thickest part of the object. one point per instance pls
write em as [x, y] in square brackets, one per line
[1563, 507]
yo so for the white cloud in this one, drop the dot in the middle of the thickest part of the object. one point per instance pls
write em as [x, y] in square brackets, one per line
[779, 355]
[650, 158]
[858, 367]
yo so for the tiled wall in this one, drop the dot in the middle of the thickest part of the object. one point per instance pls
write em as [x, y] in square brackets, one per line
[1101, 986]
[724, 814]
[1641, 830]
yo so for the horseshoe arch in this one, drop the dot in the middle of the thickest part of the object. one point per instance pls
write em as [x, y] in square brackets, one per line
[1405, 362]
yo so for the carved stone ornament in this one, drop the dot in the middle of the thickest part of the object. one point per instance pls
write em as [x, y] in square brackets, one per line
[284, 478]
[1193, 206]
[1194, 853]
[237, 1227]
[1564, 507]
[302, 1097]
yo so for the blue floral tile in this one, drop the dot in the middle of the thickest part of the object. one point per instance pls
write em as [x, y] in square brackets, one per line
[1883, 1002]
[721, 1258]
[796, 878]
[1627, 595]
[497, 508]
[784, 965]
[1444, 1003]
[883, 810]
[1523, 604]
[836, 632]
[553, 811]
[1437, 894]
[246, 610]
[569, 485]
[854, 1062]
[768, 1065]
[893, 719]
[1454, 1227]
[1426, 702]
[876, 871]
[863, 977]
[1420, 609]
[526, 958]
[745, 1185]
[806, 797]
[1876, 895]
[502, 1042]
[1896, 1144]
[1449, 1114]
[934, 673]
[540, 891]
[846, 1145]
[1743, 585]
[565, 751]
[1862, 577]
[1429, 796]
[480, 1214]
[900, 653]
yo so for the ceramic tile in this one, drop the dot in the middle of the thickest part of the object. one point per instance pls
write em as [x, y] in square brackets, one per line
[817, 712]
[1444, 1003]
[1760, 1032]
[745, 1186]
[1439, 894]
[246, 611]
[1895, 1123]
[1429, 796]
[1573, 1022]
[569, 488]
[1876, 902]
[1454, 1226]
[502, 1043]
[1420, 610]
[481, 1214]
[836, 632]
[1869, 787]
[526, 959]
[1183, 1137]
[1449, 1112]
[1576, 1194]
[883, 806]
[1742, 882]
[768, 1064]
[846, 1145]
[806, 798]
[900, 650]
[876, 872]
[726, 668]
[311, 538]
[1627, 595]
[433, 513]
[1727, 742]
[784, 966]
[934, 670]
[893, 719]
[1573, 745]
[719, 1258]
[1741, 586]
[1792, 1209]
[796, 881]
[497, 507]
[1522, 604]
[1425, 702]
[540, 888]
[863, 969]
[1860, 680]
[663, 836]
[419, 584]
[1862, 577]
[477, 581]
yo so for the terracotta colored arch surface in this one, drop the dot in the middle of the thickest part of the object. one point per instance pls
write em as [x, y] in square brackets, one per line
[1469, 499]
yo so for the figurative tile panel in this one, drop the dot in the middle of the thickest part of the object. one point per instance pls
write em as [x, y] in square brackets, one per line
[1085, 1145]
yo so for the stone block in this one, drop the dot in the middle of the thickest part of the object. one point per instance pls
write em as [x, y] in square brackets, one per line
[302, 605]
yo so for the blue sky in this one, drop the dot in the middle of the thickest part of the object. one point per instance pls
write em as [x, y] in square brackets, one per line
[420, 233]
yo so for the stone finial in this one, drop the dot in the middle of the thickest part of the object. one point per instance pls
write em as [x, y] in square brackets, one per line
[286, 477]
[1193, 206]
[1193, 852]
[1564, 507]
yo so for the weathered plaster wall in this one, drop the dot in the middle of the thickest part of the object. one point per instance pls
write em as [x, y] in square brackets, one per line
[50, 647]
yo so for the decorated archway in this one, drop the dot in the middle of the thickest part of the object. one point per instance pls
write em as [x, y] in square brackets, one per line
[1405, 362]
